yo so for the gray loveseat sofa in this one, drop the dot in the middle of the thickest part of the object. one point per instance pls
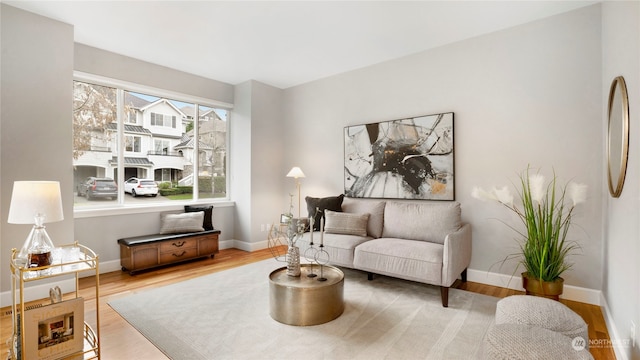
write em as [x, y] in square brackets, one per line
[418, 241]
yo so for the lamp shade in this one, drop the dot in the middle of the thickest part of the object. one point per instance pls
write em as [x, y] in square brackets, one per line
[295, 172]
[30, 198]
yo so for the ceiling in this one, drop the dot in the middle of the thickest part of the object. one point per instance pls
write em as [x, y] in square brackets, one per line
[283, 43]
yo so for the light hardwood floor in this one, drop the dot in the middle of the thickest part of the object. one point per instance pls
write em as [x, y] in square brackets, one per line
[119, 340]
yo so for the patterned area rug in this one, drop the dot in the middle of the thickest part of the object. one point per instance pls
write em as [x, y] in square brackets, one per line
[225, 315]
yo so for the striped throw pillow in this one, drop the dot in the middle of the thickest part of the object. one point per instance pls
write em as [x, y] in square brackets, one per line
[345, 223]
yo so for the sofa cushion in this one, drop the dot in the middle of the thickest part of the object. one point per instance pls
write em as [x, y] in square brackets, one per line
[426, 221]
[181, 223]
[333, 203]
[345, 223]
[338, 246]
[207, 223]
[406, 259]
[375, 209]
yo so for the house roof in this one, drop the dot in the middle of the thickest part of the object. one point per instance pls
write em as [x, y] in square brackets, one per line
[150, 105]
[190, 111]
[130, 128]
[132, 161]
[134, 101]
[189, 144]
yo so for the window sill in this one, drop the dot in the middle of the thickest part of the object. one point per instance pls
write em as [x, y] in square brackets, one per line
[129, 209]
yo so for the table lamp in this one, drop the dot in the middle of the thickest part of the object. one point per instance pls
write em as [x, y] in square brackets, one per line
[296, 173]
[35, 202]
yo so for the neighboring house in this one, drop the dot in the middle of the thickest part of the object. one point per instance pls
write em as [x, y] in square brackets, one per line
[212, 150]
[157, 144]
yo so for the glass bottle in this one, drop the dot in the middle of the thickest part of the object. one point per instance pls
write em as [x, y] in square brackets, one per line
[37, 249]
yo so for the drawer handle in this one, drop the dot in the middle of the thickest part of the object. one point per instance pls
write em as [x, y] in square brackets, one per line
[178, 244]
[179, 255]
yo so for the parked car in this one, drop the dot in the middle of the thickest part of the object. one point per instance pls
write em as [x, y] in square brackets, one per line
[135, 187]
[94, 187]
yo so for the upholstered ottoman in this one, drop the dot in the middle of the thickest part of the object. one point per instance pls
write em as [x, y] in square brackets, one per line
[525, 342]
[541, 312]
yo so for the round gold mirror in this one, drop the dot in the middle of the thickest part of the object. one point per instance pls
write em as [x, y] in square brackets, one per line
[618, 135]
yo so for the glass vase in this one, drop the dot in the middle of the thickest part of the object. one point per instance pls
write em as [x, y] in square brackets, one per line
[293, 261]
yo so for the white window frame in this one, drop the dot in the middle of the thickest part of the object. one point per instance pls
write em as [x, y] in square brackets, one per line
[131, 118]
[162, 142]
[167, 120]
[134, 139]
[126, 208]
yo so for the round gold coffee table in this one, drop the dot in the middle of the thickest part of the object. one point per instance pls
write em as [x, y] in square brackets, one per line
[302, 300]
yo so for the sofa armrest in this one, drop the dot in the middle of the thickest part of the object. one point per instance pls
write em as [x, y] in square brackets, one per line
[456, 255]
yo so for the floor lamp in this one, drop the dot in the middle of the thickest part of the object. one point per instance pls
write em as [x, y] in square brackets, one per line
[296, 173]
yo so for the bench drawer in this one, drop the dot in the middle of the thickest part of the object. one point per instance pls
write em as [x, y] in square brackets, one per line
[178, 255]
[149, 251]
[178, 244]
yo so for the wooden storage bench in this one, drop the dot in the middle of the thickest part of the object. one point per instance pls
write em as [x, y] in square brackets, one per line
[149, 251]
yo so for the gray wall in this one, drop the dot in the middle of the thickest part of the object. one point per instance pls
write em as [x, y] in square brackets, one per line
[99, 62]
[257, 175]
[621, 285]
[531, 94]
[36, 97]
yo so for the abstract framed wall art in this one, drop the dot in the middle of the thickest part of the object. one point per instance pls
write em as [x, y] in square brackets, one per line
[409, 158]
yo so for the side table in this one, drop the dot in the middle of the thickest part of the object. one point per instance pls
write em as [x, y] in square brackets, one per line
[303, 300]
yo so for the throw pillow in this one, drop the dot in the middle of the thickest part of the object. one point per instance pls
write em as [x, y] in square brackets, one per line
[374, 208]
[181, 223]
[333, 203]
[345, 223]
[208, 214]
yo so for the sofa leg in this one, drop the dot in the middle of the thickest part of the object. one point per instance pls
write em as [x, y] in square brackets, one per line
[370, 276]
[444, 292]
[464, 275]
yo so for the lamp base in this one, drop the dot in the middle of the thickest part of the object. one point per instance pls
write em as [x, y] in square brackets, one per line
[37, 248]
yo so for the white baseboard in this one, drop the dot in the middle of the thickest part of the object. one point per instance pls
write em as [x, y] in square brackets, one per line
[574, 293]
[246, 246]
[226, 244]
[617, 343]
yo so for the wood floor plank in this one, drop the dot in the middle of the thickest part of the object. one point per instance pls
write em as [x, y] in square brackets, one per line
[119, 340]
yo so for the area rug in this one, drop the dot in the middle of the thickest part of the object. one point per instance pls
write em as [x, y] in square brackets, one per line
[225, 315]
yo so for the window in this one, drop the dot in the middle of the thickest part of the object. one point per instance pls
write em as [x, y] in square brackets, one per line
[132, 143]
[212, 135]
[162, 147]
[156, 138]
[131, 117]
[163, 120]
[95, 154]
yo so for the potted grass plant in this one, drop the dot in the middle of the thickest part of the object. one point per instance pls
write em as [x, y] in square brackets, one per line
[546, 210]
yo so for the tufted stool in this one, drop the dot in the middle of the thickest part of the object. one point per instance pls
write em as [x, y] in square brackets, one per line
[529, 327]
[524, 342]
[542, 312]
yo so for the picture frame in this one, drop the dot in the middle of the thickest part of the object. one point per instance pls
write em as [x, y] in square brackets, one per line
[410, 158]
[285, 218]
[54, 331]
